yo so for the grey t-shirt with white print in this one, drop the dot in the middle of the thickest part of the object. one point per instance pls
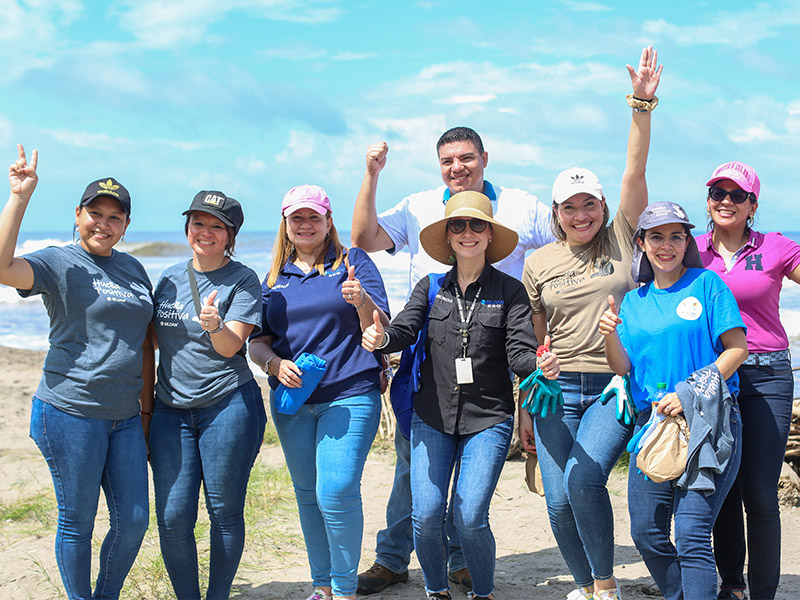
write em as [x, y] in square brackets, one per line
[99, 309]
[191, 373]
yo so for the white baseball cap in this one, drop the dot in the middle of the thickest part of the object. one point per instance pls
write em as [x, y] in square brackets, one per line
[576, 181]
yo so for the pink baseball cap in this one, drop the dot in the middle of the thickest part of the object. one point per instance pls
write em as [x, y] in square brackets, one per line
[306, 196]
[741, 174]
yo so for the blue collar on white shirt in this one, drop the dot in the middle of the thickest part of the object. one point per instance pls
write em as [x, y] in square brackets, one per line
[488, 190]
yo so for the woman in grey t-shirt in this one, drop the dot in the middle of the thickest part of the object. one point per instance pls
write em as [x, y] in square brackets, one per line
[209, 416]
[85, 415]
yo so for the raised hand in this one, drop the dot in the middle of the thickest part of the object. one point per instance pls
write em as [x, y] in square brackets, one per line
[352, 292]
[209, 314]
[645, 79]
[547, 361]
[22, 175]
[376, 157]
[610, 318]
[373, 335]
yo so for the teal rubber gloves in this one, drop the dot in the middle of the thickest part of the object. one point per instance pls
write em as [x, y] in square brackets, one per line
[620, 388]
[545, 396]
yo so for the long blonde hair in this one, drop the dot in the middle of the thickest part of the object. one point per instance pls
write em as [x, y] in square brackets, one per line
[283, 250]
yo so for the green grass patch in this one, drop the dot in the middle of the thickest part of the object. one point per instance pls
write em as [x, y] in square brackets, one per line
[38, 508]
[269, 515]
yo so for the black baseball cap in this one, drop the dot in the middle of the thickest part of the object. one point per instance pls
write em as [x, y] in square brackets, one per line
[108, 186]
[228, 210]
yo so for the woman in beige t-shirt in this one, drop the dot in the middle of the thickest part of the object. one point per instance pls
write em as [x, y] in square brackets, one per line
[569, 282]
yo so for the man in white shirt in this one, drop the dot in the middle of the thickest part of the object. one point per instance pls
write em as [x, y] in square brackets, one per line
[462, 161]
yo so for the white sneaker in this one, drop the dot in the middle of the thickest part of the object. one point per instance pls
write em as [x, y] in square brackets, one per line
[581, 593]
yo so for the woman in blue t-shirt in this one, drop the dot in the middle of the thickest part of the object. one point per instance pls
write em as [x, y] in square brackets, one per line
[209, 415]
[85, 415]
[315, 299]
[682, 324]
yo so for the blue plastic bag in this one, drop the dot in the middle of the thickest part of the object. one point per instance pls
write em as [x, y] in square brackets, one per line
[289, 400]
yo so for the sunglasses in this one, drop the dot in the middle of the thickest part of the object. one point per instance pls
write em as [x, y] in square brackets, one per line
[460, 225]
[717, 194]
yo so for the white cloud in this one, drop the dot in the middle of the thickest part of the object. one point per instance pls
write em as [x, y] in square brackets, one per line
[793, 119]
[757, 132]
[293, 53]
[158, 24]
[250, 165]
[5, 132]
[30, 34]
[737, 29]
[585, 6]
[513, 153]
[459, 78]
[353, 55]
[84, 139]
[468, 99]
[299, 148]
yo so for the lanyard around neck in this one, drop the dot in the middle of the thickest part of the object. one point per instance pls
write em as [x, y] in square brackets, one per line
[465, 319]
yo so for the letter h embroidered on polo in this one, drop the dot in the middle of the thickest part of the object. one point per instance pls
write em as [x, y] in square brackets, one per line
[753, 263]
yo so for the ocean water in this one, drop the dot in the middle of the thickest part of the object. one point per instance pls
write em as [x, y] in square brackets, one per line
[24, 322]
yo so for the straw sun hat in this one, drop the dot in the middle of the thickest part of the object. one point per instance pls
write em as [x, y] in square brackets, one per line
[467, 205]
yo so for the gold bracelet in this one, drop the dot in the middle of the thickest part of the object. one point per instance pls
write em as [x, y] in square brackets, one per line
[640, 105]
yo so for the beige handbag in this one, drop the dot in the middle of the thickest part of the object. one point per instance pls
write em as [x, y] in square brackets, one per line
[664, 452]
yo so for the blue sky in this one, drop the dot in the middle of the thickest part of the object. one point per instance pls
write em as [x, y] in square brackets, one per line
[253, 97]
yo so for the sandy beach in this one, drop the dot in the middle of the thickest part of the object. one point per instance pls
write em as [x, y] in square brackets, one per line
[274, 565]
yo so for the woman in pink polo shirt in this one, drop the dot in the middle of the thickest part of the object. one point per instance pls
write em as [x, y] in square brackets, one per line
[753, 265]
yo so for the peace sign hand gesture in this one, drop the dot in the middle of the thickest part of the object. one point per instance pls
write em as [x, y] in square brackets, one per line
[22, 175]
[646, 78]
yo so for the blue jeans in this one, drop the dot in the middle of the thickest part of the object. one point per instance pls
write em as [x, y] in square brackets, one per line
[395, 544]
[765, 399]
[577, 447]
[326, 446]
[687, 571]
[480, 458]
[84, 455]
[216, 446]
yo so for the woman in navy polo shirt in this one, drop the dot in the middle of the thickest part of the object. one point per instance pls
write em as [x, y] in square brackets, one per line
[315, 299]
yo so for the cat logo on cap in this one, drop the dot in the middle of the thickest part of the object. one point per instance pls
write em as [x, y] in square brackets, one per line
[213, 200]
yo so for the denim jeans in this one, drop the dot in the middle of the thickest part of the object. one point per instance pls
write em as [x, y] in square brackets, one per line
[577, 447]
[326, 446]
[687, 571]
[395, 544]
[765, 399]
[85, 455]
[480, 458]
[215, 445]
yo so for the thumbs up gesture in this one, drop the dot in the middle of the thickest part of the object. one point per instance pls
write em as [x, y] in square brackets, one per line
[209, 315]
[610, 318]
[373, 335]
[352, 292]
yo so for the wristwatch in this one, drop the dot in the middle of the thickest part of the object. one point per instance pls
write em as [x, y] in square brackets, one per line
[269, 360]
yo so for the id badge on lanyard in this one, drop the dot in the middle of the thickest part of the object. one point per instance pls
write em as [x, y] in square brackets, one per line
[464, 363]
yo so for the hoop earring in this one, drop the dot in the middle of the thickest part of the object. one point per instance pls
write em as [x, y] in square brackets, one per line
[74, 231]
